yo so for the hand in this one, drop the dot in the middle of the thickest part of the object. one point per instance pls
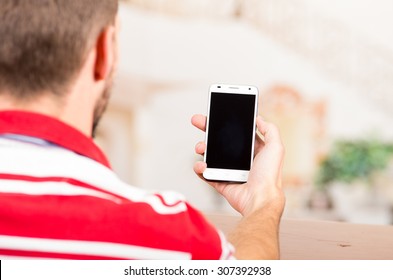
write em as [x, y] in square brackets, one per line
[263, 187]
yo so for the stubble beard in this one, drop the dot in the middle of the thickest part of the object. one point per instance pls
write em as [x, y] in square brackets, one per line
[101, 105]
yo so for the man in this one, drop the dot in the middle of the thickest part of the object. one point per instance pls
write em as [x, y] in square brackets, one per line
[58, 196]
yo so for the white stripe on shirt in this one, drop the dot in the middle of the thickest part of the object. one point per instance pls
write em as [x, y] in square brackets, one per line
[51, 188]
[90, 248]
[30, 160]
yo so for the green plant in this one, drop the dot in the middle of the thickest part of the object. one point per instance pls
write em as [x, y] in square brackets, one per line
[353, 160]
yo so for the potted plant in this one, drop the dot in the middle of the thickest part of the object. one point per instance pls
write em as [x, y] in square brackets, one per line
[348, 174]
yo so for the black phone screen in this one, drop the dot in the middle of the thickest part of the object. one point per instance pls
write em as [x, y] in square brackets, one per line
[230, 131]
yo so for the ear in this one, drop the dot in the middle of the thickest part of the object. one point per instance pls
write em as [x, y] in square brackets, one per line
[105, 53]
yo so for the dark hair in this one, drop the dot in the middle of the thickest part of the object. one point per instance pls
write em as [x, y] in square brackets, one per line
[43, 43]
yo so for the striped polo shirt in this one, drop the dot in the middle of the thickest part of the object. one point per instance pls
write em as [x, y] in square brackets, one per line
[60, 199]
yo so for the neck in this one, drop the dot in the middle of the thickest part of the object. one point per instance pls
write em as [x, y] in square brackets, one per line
[50, 106]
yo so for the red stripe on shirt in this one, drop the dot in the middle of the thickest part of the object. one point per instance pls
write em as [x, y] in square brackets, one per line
[75, 183]
[166, 203]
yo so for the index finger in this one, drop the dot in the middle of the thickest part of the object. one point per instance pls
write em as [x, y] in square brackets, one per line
[199, 121]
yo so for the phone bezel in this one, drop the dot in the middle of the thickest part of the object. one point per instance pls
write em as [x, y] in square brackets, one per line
[230, 175]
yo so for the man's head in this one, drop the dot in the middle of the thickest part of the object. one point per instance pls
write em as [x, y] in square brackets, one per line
[52, 48]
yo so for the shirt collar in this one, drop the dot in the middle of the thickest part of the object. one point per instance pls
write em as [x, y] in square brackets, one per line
[51, 130]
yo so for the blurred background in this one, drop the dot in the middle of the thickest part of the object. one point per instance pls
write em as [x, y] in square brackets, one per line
[324, 69]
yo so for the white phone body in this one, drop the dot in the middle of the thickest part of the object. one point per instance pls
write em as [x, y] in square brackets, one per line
[230, 132]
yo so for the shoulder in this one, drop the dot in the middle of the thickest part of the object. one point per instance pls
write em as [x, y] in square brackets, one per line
[84, 200]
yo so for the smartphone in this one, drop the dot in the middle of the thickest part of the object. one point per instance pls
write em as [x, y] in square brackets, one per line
[230, 132]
